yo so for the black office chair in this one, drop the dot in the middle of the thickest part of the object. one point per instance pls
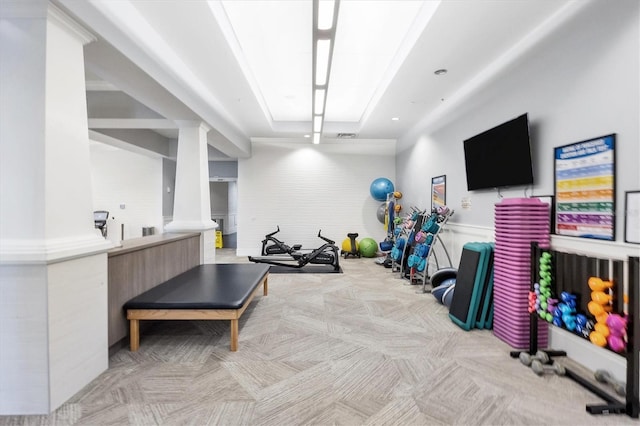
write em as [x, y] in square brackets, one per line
[100, 221]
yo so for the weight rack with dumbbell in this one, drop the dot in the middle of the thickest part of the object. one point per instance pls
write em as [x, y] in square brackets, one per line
[631, 350]
[541, 364]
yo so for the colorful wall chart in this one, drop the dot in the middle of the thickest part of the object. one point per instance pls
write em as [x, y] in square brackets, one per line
[585, 188]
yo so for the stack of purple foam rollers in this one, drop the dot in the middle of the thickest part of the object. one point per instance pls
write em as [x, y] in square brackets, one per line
[518, 223]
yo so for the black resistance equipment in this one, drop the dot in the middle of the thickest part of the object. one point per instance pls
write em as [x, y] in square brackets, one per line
[271, 245]
[327, 254]
[354, 246]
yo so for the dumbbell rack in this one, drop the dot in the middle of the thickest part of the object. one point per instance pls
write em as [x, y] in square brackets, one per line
[631, 405]
[407, 233]
[424, 275]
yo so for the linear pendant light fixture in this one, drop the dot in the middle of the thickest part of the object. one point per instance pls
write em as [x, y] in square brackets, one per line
[325, 17]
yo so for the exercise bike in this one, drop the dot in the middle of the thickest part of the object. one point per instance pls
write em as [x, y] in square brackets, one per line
[327, 254]
[271, 245]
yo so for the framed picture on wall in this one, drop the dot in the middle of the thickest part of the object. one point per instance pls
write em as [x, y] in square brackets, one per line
[585, 196]
[632, 217]
[438, 191]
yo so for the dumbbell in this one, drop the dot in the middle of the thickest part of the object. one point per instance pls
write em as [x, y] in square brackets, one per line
[617, 329]
[603, 376]
[617, 324]
[527, 359]
[598, 284]
[600, 297]
[540, 368]
[569, 299]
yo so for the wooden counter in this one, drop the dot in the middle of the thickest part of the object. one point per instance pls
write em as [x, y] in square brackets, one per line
[143, 263]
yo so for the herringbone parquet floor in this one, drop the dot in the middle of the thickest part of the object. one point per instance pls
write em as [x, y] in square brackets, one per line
[358, 348]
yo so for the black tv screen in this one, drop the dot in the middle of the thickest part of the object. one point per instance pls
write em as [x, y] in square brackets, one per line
[500, 156]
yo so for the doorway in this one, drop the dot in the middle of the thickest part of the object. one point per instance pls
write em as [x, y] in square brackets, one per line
[223, 195]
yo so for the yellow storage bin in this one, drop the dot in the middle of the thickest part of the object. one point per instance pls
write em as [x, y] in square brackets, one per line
[218, 239]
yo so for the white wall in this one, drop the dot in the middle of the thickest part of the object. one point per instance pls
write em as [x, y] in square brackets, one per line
[24, 340]
[168, 188]
[77, 310]
[304, 188]
[122, 177]
[581, 82]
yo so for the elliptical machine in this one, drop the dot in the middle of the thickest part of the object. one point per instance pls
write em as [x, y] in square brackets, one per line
[327, 254]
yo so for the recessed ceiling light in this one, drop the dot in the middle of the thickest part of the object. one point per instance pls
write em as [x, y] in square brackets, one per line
[323, 49]
[317, 123]
[395, 118]
[325, 14]
[318, 107]
[307, 136]
[441, 71]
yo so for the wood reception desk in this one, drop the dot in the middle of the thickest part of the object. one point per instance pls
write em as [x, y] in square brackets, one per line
[142, 263]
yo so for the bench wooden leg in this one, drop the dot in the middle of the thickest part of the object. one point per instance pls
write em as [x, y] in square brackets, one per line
[134, 334]
[265, 288]
[234, 335]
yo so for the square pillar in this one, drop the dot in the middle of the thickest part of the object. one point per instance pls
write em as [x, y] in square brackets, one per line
[192, 207]
[53, 264]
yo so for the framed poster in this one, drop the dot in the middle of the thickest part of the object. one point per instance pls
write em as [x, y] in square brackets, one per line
[438, 191]
[584, 175]
[632, 217]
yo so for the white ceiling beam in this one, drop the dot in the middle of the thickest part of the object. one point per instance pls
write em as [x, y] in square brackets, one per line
[124, 28]
[131, 123]
[101, 86]
[124, 145]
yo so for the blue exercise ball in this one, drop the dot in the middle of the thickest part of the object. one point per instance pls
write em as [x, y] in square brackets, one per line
[380, 187]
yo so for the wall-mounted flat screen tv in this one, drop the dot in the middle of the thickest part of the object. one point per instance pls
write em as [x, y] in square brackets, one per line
[500, 156]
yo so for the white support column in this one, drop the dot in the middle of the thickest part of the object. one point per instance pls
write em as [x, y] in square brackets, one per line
[192, 207]
[53, 265]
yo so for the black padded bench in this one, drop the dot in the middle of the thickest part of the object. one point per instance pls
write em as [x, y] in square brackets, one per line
[206, 292]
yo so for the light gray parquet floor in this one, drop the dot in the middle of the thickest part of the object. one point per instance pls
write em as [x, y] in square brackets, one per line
[358, 348]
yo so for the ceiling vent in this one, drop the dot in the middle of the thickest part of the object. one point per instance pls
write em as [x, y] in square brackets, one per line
[346, 135]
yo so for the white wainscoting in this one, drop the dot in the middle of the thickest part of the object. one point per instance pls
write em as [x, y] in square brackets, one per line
[53, 332]
[78, 342]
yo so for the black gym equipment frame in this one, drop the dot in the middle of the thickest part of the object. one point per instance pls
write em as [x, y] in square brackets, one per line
[631, 405]
[327, 254]
[273, 246]
[354, 246]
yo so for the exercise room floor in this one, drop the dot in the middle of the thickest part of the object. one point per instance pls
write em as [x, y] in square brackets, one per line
[325, 349]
